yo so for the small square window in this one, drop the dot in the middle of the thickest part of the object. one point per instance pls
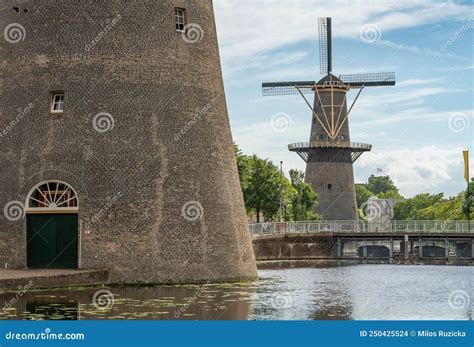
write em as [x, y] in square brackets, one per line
[57, 103]
[180, 15]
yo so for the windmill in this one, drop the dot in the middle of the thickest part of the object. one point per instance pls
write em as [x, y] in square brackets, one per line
[329, 154]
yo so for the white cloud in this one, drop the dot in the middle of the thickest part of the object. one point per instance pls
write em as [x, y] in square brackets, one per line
[261, 136]
[418, 81]
[455, 68]
[268, 61]
[403, 97]
[404, 104]
[414, 171]
[248, 28]
[417, 114]
[418, 50]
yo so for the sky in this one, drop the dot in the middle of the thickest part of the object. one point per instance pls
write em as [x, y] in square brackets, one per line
[418, 128]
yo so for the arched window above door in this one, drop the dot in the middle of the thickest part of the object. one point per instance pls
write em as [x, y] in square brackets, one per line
[52, 196]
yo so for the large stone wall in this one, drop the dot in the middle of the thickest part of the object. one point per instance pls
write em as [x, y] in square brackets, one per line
[168, 155]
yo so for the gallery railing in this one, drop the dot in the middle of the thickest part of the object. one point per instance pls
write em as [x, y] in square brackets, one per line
[411, 226]
[329, 144]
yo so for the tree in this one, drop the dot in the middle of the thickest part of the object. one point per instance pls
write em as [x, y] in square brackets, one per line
[446, 209]
[420, 207]
[267, 191]
[243, 167]
[303, 202]
[263, 186]
[390, 194]
[267, 188]
[362, 194]
[467, 200]
[381, 184]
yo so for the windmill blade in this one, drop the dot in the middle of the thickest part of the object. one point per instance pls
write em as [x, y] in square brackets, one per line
[286, 88]
[369, 79]
[325, 45]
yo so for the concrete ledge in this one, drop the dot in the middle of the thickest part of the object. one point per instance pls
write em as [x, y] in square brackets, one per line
[37, 279]
[305, 263]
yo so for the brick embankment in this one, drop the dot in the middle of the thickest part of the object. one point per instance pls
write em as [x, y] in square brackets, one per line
[294, 247]
[37, 279]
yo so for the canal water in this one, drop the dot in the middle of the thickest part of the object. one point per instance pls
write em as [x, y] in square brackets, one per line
[351, 292]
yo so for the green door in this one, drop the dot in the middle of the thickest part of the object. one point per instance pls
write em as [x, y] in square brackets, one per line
[52, 241]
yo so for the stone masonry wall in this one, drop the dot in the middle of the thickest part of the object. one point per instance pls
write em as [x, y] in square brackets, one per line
[145, 138]
[294, 247]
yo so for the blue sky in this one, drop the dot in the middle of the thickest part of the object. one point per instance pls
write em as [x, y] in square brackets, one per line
[418, 128]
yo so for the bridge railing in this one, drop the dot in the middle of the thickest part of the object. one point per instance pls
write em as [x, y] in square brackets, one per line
[428, 226]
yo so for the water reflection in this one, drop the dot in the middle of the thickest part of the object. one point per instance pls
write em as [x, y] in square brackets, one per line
[52, 310]
[352, 292]
[204, 302]
[365, 292]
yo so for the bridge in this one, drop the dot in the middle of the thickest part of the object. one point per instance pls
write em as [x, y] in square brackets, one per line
[360, 239]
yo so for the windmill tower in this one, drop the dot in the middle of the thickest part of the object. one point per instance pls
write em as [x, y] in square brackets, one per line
[330, 154]
[116, 150]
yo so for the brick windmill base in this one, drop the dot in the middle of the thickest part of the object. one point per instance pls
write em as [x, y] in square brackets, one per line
[329, 171]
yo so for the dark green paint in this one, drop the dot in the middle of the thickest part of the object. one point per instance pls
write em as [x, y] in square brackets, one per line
[52, 241]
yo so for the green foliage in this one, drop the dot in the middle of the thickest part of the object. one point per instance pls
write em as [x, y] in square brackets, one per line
[432, 207]
[362, 193]
[263, 186]
[419, 207]
[266, 188]
[390, 194]
[467, 205]
[412, 209]
[269, 193]
[243, 167]
[381, 184]
[303, 202]
[447, 209]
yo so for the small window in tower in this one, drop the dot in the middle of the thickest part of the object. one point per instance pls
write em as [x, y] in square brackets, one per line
[180, 14]
[57, 102]
[329, 186]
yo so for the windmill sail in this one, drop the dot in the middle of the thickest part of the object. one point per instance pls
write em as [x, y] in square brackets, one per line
[369, 79]
[287, 88]
[325, 45]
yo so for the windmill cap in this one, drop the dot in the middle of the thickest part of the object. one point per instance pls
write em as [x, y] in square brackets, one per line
[328, 79]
